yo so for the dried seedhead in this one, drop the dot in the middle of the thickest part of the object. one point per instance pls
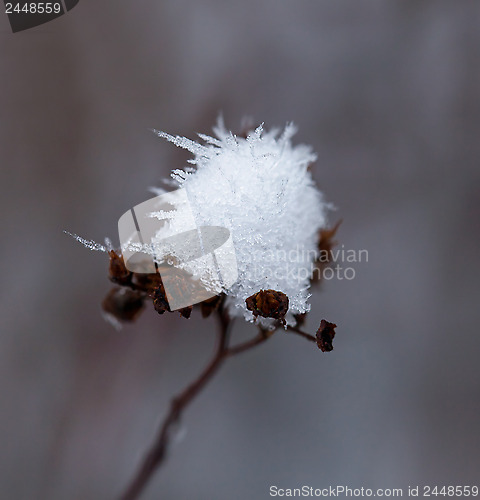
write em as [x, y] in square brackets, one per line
[268, 304]
[244, 185]
[325, 335]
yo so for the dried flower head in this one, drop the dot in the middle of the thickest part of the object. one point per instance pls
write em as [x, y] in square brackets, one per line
[268, 304]
[260, 188]
[257, 193]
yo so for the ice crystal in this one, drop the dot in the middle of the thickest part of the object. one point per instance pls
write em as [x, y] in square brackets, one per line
[90, 244]
[261, 189]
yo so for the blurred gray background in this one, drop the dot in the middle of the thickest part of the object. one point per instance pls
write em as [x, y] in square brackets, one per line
[388, 94]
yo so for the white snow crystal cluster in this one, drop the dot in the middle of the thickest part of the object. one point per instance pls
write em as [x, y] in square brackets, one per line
[261, 190]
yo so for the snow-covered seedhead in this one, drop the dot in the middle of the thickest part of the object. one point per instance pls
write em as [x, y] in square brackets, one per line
[260, 188]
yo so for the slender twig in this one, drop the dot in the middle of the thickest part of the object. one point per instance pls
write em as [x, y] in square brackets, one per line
[259, 339]
[157, 453]
[303, 334]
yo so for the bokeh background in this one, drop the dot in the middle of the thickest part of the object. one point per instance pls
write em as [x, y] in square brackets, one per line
[388, 94]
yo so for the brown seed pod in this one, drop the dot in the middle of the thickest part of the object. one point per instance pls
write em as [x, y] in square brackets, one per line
[179, 284]
[123, 304]
[160, 302]
[117, 271]
[147, 282]
[326, 242]
[325, 335]
[324, 246]
[186, 312]
[268, 304]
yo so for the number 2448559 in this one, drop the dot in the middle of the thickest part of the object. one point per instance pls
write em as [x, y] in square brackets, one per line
[33, 8]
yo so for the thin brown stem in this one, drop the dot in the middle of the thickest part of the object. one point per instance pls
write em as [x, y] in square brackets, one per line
[157, 453]
[303, 334]
[259, 339]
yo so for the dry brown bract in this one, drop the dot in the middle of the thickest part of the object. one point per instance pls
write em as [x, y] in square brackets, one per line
[325, 335]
